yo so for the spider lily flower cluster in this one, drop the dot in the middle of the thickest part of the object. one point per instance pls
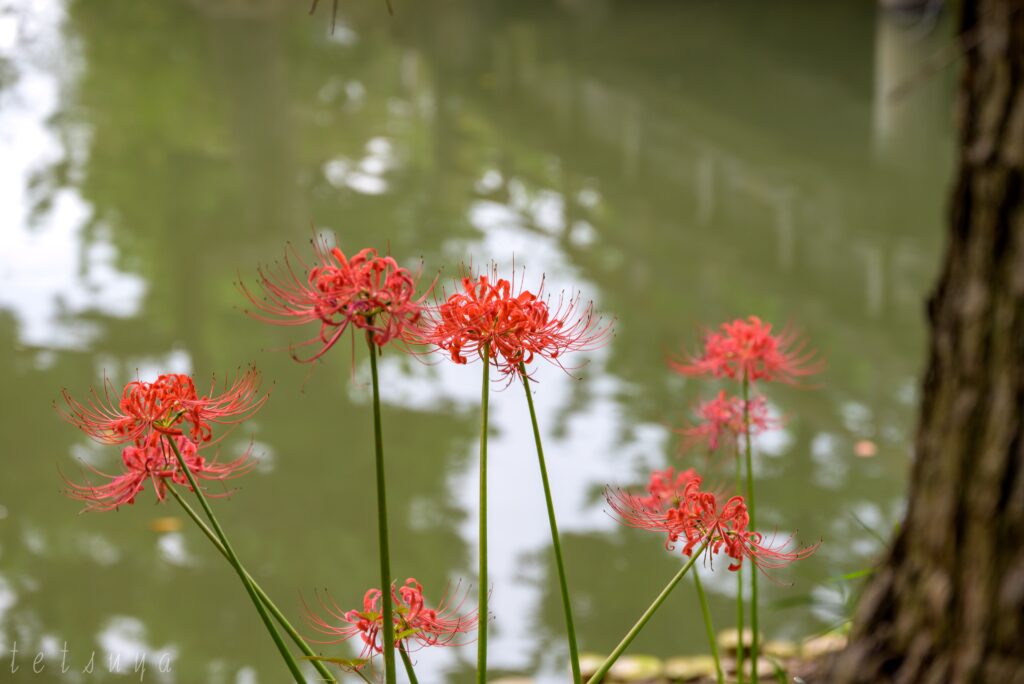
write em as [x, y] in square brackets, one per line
[416, 625]
[723, 419]
[152, 460]
[748, 353]
[166, 406]
[746, 349]
[367, 291]
[676, 506]
[510, 325]
[165, 428]
[154, 419]
[166, 422]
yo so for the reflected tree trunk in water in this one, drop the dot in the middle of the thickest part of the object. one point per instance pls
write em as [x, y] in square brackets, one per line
[947, 604]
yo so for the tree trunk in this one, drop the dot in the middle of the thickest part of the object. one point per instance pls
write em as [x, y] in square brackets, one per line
[947, 604]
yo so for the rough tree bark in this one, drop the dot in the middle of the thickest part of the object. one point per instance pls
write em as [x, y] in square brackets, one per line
[947, 604]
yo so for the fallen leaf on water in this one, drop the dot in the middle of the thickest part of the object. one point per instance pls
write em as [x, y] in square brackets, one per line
[865, 448]
[165, 524]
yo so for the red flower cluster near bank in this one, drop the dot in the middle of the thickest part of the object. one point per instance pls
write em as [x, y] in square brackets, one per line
[146, 416]
[722, 420]
[164, 406]
[695, 518]
[512, 325]
[367, 291]
[153, 461]
[746, 349]
[416, 624]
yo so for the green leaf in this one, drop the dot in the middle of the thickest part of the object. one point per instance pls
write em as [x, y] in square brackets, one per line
[852, 575]
[406, 633]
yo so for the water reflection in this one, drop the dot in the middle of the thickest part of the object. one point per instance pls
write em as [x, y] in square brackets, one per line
[62, 269]
[667, 159]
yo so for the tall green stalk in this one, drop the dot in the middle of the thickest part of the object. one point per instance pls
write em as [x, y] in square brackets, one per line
[645, 618]
[741, 648]
[289, 659]
[706, 611]
[481, 642]
[387, 610]
[407, 661]
[271, 606]
[753, 525]
[570, 628]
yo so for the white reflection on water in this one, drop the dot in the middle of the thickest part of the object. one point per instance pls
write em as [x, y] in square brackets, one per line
[246, 675]
[367, 175]
[857, 418]
[262, 453]
[98, 548]
[8, 30]
[830, 467]
[33, 539]
[172, 549]
[7, 600]
[48, 275]
[123, 639]
[149, 368]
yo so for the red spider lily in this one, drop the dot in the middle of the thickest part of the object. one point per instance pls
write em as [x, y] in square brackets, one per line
[666, 487]
[696, 518]
[416, 625]
[515, 324]
[237, 402]
[659, 511]
[153, 460]
[368, 291]
[163, 406]
[747, 349]
[727, 530]
[722, 419]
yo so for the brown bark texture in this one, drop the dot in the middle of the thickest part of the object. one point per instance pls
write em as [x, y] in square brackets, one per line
[947, 604]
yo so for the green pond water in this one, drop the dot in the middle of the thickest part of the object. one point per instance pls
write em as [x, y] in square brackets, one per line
[681, 163]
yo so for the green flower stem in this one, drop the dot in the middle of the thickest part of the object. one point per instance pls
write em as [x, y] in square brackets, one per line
[570, 628]
[387, 610]
[741, 649]
[407, 661]
[289, 659]
[645, 618]
[481, 643]
[712, 641]
[753, 525]
[274, 610]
